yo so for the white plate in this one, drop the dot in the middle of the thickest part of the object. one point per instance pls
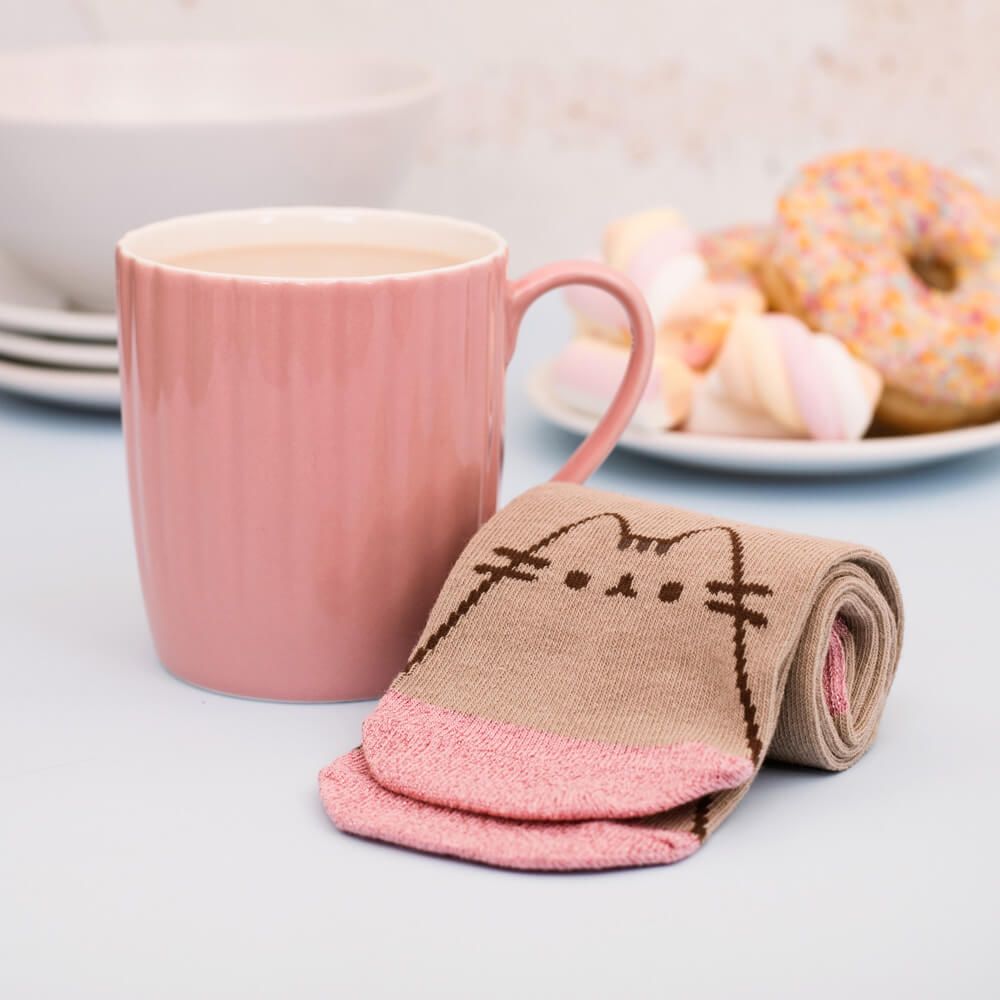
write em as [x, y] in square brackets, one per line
[28, 307]
[776, 457]
[50, 351]
[90, 389]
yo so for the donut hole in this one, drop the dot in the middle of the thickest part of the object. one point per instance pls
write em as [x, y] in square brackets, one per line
[933, 271]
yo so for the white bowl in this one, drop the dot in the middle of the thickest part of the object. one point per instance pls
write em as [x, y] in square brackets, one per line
[96, 140]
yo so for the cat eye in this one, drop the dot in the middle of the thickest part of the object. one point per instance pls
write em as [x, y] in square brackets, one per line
[669, 592]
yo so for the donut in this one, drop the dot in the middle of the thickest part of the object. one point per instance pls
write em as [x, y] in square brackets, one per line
[900, 260]
[736, 253]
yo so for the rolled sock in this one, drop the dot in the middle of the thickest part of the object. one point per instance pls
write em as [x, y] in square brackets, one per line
[601, 677]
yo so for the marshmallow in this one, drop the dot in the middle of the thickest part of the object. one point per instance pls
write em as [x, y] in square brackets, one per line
[692, 314]
[806, 383]
[713, 412]
[588, 372]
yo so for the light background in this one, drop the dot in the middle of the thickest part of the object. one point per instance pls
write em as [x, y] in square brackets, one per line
[560, 114]
[156, 841]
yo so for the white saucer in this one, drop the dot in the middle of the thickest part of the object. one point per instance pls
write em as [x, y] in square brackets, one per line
[94, 390]
[775, 457]
[27, 307]
[52, 321]
[51, 351]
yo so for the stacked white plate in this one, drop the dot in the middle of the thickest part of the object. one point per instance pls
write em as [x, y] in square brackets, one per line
[54, 353]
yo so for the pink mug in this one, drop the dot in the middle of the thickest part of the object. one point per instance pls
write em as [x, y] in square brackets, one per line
[308, 455]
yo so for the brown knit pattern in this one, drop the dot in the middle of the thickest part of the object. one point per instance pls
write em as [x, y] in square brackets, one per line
[599, 617]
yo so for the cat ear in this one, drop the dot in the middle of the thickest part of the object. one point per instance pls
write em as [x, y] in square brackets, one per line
[594, 535]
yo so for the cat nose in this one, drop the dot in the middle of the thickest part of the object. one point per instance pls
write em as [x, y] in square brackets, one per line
[623, 588]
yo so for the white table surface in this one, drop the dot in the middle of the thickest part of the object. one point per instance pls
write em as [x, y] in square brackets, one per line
[158, 841]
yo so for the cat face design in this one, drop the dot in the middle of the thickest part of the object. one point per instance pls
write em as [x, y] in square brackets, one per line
[606, 569]
[601, 559]
[614, 584]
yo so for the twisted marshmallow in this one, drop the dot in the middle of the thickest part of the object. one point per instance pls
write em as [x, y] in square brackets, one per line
[806, 384]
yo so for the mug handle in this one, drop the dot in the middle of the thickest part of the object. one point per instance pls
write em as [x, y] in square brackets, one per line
[521, 293]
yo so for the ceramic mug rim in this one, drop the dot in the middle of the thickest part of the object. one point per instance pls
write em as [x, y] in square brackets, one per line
[487, 245]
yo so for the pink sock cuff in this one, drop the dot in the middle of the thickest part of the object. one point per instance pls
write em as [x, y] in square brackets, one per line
[467, 762]
[835, 670]
[357, 804]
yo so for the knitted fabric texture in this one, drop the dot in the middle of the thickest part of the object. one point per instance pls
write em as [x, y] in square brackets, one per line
[601, 678]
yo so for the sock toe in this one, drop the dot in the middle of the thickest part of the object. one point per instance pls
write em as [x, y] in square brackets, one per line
[466, 762]
[358, 804]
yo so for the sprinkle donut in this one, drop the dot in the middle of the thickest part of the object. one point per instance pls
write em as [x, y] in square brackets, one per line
[736, 253]
[900, 260]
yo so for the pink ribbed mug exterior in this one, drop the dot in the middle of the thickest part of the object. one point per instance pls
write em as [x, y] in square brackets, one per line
[307, 460]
